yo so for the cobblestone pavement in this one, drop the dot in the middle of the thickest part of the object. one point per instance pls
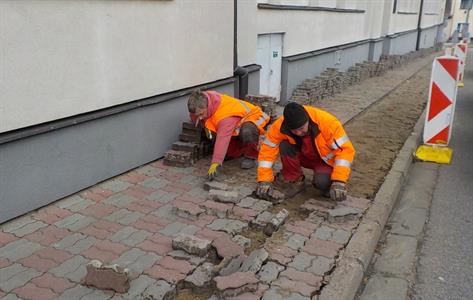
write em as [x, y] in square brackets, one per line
[132, 219]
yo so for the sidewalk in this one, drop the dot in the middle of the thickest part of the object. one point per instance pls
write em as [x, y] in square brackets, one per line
[131, 220]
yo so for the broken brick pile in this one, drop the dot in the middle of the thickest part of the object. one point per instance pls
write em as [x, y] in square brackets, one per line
[266, 103]
[332, 81]
[192, 146]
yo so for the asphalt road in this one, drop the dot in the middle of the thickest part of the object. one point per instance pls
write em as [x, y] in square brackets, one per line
[445, 264]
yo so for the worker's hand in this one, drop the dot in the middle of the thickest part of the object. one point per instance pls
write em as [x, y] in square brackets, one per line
[213, 170]
[338, 191]
[264, 189]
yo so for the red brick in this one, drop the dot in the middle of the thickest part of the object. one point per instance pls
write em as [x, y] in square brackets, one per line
[170, 263]
[58, 285]
[6, 238]
[161, 249]
[97, 194]
[4, 263]
[31, 291]
[235, 280]
[159, 164]
[56, 255]
[226, 247]
[306, 277]
[188, 207]
[101, 229]
[99, 211]
[202, 220]
[281, 259]
[47, 235]
[138, 191]
[96, 232]
[116, 248]
[133, 177]
[347, 225]
[139, 208]
[295, 286]
[247, 214]
[256, 295]
[38, 263]
[162, 222]
[210, 234]
[52, 214]
[95, 253]
[320, 247]
[189, 198]
[107, 225]
[151, 227]
[149, 203]
[280, 250]
[160, 239]
[309, 225]
[171, 176]
[171, 276]
[298, 229]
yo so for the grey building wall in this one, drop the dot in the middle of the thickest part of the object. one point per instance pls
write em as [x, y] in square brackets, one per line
[376, 49]
[297, 68]
[428, 37]
[38, 169]
[400, 43]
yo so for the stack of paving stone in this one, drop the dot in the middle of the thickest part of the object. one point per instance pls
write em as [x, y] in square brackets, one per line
[192, 146]
[267, 104]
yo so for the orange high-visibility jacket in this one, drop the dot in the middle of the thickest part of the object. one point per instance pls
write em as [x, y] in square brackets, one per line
[232, 107]
[332, 143]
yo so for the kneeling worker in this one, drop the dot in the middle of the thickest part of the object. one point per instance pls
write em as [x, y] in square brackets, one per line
[306, 137]
[236, 124]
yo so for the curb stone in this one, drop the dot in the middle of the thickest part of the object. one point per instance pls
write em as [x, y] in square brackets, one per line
[347, 277]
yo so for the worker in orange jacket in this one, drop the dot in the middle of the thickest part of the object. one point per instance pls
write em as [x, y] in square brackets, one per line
[311, 138]
[235, 124]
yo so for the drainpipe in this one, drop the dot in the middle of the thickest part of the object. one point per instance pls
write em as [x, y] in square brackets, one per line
[239, 71]
[419, 22]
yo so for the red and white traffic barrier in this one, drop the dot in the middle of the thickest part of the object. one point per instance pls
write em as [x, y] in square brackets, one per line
[460, 51]
[441, 101]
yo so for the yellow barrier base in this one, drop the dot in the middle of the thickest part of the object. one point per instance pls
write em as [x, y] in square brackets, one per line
[437, 154]
[460, 84]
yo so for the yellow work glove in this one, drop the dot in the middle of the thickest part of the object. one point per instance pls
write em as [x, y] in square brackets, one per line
[213, 170]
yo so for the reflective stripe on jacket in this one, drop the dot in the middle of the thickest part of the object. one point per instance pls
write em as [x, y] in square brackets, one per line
[332, 143]
[232, 107]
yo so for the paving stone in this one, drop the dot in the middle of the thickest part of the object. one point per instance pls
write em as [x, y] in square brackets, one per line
[96, 295]
[236, 292]
[75, 222]
[276, 222]
[124, 216]
[228, 225]
[254, 261]
[269, 272]
[15, 276]
[19, 249]
[344, 213]
[25, 228]
[162, 196]
[224, 196]
[230, 265]
[73, 269]
[226, 247]
[215, 185]
[324, 233]
[160, 290]
[242, 241]
[11, 296]
[130, 236]
[191, 244]
[321, 265]
[379, 287]
[187, 210]
[301, 276]
[154, 183]
[262, 219]
[262, 205]
[165, 211]
[75, 203]
[79, 246]
[341, 236]
[295, 286]
[77, 292]
[115, 185]
[274, 293]
[201, 277]
[296, 241]
[106, 277]
[398, 255]
[138, 286]
[302, 261]
[219, 210]
[136, 260]
[235, 280]
[182, 255]
[323, 248]
[247, 202]
[119, 200]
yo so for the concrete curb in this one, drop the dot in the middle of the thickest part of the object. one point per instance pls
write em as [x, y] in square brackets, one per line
[346, 278]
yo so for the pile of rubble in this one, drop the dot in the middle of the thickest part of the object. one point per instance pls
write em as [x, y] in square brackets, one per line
[332, 81]
[192, 146]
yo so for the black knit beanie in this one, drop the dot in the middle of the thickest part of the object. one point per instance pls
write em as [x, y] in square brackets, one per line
[294, 116]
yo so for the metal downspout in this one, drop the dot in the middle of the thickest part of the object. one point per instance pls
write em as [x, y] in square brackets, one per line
[419, 23]
[239, 71]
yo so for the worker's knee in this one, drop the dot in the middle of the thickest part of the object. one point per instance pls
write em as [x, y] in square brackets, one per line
[249, 133]
[322, 181]
[287, 149]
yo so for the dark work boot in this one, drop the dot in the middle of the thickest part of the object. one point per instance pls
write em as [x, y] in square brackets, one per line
[289, 188]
